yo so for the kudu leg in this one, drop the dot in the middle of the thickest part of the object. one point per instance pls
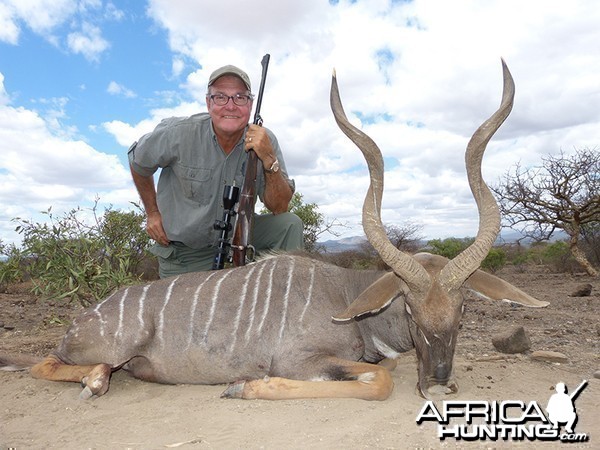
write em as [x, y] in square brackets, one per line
[95, 378]
[360, 380]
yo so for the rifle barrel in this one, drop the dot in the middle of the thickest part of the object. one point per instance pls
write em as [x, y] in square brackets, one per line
[578, 389]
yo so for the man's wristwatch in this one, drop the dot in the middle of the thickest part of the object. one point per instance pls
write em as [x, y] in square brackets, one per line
[274, 167]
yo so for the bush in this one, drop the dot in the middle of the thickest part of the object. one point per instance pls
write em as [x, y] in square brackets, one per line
[69, 258]
[352, 259]
[11, 269]
[449, 247]
[495, 260]
[558, 256]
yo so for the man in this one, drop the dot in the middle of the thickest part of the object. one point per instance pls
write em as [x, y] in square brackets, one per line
[560, 408]
[198, 156]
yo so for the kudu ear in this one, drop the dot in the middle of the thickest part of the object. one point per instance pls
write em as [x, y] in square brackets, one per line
[483, 283]
[374, 298]
[494, 288]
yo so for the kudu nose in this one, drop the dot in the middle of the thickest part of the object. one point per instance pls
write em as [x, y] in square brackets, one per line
[442, 372]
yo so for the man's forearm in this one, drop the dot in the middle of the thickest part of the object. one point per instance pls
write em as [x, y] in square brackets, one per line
[146, 189]
[278, 193]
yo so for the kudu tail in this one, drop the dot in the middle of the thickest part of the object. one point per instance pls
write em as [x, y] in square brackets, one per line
[18, 363]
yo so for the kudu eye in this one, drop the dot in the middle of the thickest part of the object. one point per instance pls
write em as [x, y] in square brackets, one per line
[408, 309]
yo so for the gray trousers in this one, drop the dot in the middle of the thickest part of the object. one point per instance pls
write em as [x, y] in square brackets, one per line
[270, 232]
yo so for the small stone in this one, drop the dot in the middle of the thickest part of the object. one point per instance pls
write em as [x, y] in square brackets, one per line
[514, 340]
[549, 356]
[597, 374]
[584, 290]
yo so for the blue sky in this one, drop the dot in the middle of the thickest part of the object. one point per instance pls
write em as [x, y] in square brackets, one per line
[80, 80]
[116, 79]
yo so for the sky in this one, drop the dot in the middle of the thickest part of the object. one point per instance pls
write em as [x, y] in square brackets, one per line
[81, 80]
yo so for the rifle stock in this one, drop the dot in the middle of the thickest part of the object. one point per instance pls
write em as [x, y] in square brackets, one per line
[245, 214]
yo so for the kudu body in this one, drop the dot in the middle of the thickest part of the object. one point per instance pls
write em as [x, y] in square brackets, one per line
[267, 327]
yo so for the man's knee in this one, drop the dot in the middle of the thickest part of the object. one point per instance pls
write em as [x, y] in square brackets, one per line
[279, 232]
[295, 232]
[294, 222]
[177, 259]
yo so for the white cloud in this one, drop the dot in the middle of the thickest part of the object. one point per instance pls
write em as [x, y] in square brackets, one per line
[115, 88]
[41, 16]
[114, 13]
[178, 66]
[41, 168]
[45, 17]
[88, 42]
[9, 31]
[126, 134]
[3, 94]
[32, 153]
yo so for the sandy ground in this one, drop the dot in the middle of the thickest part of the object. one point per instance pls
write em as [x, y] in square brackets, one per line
[138, 415]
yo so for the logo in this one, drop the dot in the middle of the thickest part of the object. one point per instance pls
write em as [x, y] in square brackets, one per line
[507, 420]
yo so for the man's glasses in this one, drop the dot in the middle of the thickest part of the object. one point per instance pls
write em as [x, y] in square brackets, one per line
[238, 99]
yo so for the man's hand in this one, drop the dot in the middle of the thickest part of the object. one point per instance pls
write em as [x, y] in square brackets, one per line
[258, 140]
[154, 228]
[278, 192]
[147, 191]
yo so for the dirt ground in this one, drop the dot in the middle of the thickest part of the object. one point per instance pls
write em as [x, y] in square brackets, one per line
[138, 415]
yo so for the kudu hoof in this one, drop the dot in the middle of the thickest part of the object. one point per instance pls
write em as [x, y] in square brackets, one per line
[96, 383]
[234, 390]
[92, 389]
[86, 394]
[437, 391]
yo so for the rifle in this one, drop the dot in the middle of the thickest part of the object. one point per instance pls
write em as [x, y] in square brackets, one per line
[245, 212]
[578, 390]
[230, 198]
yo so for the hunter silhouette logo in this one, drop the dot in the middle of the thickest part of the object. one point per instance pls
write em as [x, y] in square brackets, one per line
[507, 420]
[561, 407]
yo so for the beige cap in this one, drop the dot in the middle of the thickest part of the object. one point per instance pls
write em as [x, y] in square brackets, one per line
[230, 70]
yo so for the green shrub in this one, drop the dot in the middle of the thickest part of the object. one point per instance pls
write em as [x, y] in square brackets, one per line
[558, 256]
[11, 268]
[449, 247]
[495, 260]
[68, 257]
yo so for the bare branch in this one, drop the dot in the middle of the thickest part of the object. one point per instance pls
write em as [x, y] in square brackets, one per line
[562, 194]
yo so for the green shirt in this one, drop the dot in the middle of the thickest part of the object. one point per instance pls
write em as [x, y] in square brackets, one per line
[194, 171]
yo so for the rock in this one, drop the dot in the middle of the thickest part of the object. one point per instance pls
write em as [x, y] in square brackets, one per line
[597, 374]
[512, 341]
[549, 356]
[584, 290]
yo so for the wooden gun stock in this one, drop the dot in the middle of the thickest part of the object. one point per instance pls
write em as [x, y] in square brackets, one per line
[245, 214]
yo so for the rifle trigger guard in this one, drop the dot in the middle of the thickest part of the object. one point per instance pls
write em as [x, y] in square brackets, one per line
[250, 253]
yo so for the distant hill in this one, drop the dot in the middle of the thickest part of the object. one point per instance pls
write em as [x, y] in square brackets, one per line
[354, 242]
[344, 244]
